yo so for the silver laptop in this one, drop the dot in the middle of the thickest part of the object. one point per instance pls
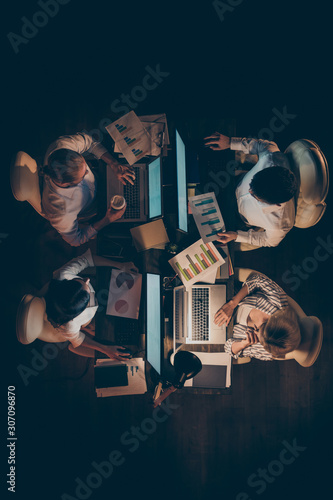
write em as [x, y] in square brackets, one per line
[193, 315]
[144, 199]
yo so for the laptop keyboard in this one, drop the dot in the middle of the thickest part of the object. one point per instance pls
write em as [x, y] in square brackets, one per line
[200, 314]
[132, 197]
[126, 331]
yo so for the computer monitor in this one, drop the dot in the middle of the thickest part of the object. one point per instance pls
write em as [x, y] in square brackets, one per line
[155, 189]
[181, 183]
[154, 322]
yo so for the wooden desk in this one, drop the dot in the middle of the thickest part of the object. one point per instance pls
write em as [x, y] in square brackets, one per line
[156, 261]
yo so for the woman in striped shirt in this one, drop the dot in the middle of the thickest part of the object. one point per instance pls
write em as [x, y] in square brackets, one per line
[266, 327]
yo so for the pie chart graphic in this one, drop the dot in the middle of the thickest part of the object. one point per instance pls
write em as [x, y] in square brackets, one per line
[125, 278]
[121, 306]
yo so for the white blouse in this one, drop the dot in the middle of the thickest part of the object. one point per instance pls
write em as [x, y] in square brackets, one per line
[71, 330]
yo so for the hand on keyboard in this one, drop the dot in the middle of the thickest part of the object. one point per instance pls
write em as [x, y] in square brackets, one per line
[224, 314]
[125, 174]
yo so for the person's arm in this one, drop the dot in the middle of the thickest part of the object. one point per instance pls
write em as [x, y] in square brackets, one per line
[219, 142]
[68, 227]
[124, 266]
[249, 347]
[267, 238]
[112, 351]
[124, 173]
[75, 266]
[80, 143]
[224, 314]
[271, 290]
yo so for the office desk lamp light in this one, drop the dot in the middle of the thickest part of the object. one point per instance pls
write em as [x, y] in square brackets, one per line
[186, 365]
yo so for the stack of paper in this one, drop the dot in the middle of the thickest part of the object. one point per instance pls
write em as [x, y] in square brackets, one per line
[135, 375]
[199, 262]
[136, 137]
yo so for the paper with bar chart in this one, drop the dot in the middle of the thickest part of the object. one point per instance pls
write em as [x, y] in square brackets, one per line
[197, 263]
[130, 136]
[207, 216]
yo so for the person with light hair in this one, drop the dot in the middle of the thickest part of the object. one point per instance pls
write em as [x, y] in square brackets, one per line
[70, 187]
[265, 326]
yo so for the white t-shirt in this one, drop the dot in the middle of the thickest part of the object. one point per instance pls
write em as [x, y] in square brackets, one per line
[71, 330]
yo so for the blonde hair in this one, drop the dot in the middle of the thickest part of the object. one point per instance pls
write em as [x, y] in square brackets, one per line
[281, 333]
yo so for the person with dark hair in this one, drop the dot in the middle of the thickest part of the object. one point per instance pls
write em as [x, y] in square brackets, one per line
[71, 303]
[265, 326]
[69, 187]
[265, 195]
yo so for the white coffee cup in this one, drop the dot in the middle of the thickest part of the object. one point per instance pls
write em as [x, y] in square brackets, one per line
[117, 202]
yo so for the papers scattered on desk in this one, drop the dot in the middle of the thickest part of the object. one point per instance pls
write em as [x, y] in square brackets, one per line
[199, 262]
[124, 294]
[207, 216]
[215, 373]
[135, 375]
[130, 137]
[157, 128]
[136, 137]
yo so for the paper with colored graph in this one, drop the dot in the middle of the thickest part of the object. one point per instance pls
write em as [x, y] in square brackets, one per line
[207, 216]
[124, 294]
[130, 137]
[199, 262]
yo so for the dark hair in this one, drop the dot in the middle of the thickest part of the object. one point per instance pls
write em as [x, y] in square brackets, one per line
[62, 165]
[65, 299]
[274, 185]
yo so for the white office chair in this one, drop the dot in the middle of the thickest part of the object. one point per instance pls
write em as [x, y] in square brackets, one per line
[24, 181]
[309, 164]
[311, 331]
[32, 324]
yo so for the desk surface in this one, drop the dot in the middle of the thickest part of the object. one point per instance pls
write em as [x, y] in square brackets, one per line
[156, 261]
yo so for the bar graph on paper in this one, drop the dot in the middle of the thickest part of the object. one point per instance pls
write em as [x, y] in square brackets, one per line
[131, 138]
[197, 263]
[207, 216]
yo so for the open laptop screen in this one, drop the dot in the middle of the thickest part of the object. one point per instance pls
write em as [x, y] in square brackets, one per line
[155, 188]
[154, 334]
[181, 183]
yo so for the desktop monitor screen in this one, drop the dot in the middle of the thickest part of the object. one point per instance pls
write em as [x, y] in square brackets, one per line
[181, 183]
[154, 334]
[155, 188]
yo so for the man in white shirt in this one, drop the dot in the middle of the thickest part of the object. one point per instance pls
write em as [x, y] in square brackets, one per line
[69, 186]
[265, 195]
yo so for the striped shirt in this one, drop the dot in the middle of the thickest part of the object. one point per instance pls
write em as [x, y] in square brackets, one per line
[268, 297]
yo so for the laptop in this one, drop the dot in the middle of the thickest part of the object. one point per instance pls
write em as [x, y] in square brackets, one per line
[144, 198]
[193, 315]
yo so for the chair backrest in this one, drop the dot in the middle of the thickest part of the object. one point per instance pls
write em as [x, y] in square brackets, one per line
[24, 180]
[310, 166]
[32, 323]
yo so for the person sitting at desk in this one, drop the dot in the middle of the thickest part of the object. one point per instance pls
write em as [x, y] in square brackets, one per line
[264, 195]
[265, 327]
[71, 303]
[69, 186]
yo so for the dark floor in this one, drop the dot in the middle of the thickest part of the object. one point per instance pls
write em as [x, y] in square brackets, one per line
[243, 69]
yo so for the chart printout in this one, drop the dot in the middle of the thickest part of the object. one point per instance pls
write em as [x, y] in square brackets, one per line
[207, 216]
[196, 263]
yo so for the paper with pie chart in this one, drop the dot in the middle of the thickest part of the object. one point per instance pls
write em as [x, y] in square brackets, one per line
[124, 294]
